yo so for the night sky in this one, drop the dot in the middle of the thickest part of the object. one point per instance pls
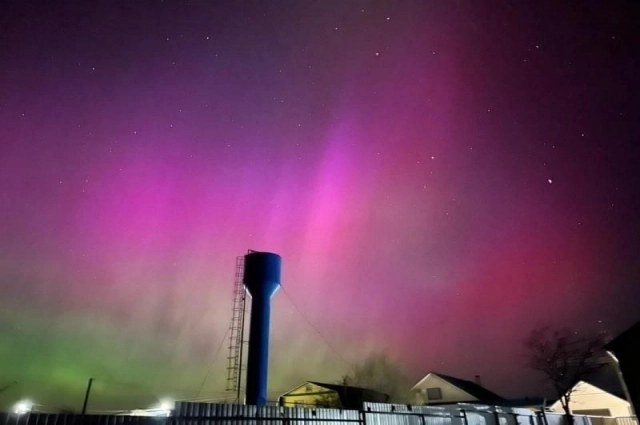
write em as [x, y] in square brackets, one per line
[438, 176]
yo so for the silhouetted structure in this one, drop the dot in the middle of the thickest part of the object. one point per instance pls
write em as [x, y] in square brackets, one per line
[262, 280]
[319, 394]
[626, 348]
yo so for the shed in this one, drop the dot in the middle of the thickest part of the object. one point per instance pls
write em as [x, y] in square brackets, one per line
[319, 394]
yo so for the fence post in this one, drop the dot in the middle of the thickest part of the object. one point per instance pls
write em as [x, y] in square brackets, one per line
[464, 417]
[542, 414]
[515, 418]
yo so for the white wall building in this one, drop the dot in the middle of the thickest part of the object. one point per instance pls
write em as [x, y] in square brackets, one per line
[436, 388]
[587, 399]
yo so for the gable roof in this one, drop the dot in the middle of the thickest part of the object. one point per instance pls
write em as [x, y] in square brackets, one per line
[593, 387]
[607, 380]
[350, 397]
[471, 388]
[353, 397]
[633, 333]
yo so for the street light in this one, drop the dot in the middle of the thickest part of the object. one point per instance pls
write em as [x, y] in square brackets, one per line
[23, 407]
[164, 408]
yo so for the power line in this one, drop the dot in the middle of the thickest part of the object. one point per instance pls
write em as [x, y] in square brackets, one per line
[316, 329]
[213, 360]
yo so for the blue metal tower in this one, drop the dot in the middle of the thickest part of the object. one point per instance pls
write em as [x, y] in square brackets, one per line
[262, 280]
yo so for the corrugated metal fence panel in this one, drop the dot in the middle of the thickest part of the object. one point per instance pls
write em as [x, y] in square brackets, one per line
[190, 413]
[523, 419]
[480, 417]
[581, 420]
[405, 408]
[401, 414]
[395, 408]
[378, 407]
[554, 419]
[529, 419]
[187, 413]
[455, 414]
[434, 420]
[508, 418]
[388, 418]
[71, 419]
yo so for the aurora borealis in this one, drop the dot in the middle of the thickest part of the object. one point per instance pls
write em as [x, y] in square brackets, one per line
[437, 176]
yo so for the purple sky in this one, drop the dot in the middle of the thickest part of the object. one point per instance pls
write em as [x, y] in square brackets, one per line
[437, 176]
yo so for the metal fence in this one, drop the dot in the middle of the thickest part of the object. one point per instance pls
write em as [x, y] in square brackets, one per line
[72, 419]
[602, 420]
[189, 413]
[459, 414]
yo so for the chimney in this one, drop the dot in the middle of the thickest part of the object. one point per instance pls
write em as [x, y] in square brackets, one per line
[477, 380]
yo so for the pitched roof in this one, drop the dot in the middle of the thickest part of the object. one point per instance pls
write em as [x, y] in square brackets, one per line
[593, 388]
[477, 391]
[607, 380]
[633, 333]
[353, 397]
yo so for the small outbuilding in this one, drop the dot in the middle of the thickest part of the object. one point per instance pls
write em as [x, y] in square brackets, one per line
[318, 394]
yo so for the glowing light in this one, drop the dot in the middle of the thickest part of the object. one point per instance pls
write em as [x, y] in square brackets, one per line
[22, 407]
[163, 409]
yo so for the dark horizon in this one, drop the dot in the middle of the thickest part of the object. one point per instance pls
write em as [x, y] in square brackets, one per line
[438, 178]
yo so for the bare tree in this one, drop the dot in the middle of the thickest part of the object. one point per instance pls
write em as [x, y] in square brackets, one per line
[378, 372]
[564, 358]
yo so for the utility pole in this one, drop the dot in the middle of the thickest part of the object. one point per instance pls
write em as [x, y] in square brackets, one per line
[86, 396]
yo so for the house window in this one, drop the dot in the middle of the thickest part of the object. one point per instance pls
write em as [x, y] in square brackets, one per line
[434, 393]
[308, 388]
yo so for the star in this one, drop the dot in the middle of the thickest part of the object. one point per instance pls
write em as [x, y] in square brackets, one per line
[292, 162]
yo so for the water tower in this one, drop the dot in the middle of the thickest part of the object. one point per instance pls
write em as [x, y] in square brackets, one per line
[262, 280]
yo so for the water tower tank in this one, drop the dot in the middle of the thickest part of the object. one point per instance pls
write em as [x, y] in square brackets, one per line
[262, 280]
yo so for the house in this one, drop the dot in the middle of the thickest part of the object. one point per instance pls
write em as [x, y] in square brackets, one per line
[436, 388]
[625, 350]
[318, 394]
[589, 399]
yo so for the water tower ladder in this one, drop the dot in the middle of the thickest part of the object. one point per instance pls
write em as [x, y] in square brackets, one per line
[236, 334]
